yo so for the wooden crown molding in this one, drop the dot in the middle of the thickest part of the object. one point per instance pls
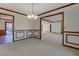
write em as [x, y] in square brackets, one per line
[40, 13]
[6, 14]
[13, 11]
[52, 15]
[57, 8]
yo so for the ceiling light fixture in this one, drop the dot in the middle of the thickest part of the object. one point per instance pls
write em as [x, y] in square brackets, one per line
[32, 16]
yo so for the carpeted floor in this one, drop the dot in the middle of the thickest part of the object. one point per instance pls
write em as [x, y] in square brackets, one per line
[36, 47]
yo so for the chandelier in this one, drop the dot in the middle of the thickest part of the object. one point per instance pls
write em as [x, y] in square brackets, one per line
[32, 16]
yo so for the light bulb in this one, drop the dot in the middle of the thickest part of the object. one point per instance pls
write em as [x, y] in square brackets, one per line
[35, 17]
[32, 16]
[29, 16]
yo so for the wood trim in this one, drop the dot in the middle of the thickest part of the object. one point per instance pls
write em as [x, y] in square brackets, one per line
[62, 25]
[6, 25]
[20, 32]
[6, 19]
[13, 11]
[6, 14]
[71, 42]
[13, 27]
[71, 47]
[41, 13]
[52, 15]
[13, 22]
[24, 33]
[2, 32]
[62, 28]
[62, 21]
[40, 28]
[71, 32]
[70, 4]
[28, 30]
[50, 27]
[24, 30]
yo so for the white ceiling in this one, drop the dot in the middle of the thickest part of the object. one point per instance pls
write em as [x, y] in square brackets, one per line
[26, 7]
[54, 18]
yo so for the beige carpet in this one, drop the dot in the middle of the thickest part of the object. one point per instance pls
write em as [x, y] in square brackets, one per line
[36, 47]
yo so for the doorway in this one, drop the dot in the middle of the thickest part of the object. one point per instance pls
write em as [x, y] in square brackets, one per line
[9, 28]
[8, 32]
[6, 28]
[53, 27]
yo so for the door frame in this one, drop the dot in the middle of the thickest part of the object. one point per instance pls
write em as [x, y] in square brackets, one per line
[12, 22]
[6, 26]
[62, 24]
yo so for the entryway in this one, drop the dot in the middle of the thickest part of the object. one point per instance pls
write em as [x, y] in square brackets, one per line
[6, 28]
[52, 28]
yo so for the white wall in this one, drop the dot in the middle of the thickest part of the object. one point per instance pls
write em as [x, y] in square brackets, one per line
[72, 24]
[45, 26]
[69, 12]
[37, 23]
[71, 20]
[56, 27]
[21, 22]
